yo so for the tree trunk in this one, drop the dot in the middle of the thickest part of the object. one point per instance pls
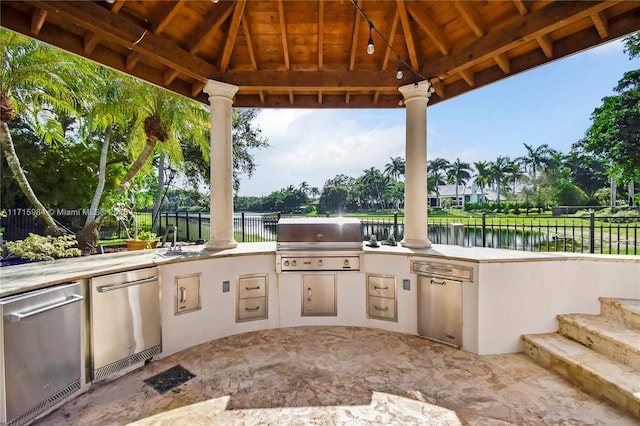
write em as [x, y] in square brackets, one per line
[158, 198]
[95, 203]
[18, 173]
[146, 153]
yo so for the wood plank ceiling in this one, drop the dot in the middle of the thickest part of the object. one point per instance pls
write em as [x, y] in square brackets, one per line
[312, 53]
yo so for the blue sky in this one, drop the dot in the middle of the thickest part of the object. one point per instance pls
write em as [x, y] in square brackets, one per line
[551, 104]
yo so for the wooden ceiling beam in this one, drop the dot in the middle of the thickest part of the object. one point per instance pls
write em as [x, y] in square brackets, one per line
[354, 41]
[439, 87]
[433, 31]
[517, 32]
[291, 99]
[210, 25]
[408, 35]
[90, 43]
[338, 80]
[109, 26]
[283, 34]
[320, 35]
[600, 21]
[471, 17]
[37, 20]
[232, 34]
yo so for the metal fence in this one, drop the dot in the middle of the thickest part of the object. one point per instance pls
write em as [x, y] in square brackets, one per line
[590, 234]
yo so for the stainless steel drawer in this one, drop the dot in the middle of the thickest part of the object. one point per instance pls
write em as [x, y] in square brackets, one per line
[443, 270]
[251, 308]
[252, 286]
[382, 308]
[381, 285]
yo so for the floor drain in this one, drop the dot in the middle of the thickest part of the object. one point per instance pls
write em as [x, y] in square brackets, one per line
[169, 379]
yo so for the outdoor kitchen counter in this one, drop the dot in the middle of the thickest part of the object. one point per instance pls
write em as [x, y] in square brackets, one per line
[21, 278]
[32, 276]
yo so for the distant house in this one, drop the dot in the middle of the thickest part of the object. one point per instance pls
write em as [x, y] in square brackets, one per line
[466, 194]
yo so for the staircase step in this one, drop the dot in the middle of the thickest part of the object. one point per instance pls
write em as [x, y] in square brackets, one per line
[594, 372]
[610, 338]
[624, 311]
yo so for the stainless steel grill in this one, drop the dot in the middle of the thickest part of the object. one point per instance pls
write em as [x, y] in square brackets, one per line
[318, 244]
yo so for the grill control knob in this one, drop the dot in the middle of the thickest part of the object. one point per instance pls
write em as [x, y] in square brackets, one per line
[293, 263]
[320, 262]
[286, 263]
[346, 262]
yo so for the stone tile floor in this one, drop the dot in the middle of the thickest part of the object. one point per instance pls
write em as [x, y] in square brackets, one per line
[339, 375]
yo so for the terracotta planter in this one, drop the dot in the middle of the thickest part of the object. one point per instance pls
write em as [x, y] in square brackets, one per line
[136, 245]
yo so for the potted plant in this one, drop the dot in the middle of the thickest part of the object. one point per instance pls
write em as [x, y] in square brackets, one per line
[120, 204]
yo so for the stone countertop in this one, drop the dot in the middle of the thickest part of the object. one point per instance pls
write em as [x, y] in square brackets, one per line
[32, 276]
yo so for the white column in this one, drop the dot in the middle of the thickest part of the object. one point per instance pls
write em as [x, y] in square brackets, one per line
[221, 162]
[416, 97]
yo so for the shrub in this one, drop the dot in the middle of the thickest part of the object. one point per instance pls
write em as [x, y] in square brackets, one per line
[38, 247]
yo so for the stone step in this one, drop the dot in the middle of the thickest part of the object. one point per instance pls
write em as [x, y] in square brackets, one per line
[603, 335]
[594, 372]
[624, 311]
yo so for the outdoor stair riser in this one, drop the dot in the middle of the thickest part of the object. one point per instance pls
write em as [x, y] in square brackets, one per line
[600, 353]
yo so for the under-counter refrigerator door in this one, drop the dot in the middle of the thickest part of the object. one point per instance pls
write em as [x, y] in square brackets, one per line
[125, 320]
[440, 310]
[41, 350]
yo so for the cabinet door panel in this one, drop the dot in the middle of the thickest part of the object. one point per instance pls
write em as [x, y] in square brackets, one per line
[319, 295]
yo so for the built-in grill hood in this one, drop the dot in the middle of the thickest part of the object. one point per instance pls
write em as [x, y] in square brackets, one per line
[319, 244]
[319, 234]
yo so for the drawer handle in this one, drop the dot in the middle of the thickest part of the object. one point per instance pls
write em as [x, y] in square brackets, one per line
[257, 308]
[438, 283]
[252, 288]
[19, 316]
[105, 288]
[183, 294]
[380, 288]
[377, 308]
[309, 290]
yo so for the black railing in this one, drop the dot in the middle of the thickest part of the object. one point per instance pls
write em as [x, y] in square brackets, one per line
[589, 234]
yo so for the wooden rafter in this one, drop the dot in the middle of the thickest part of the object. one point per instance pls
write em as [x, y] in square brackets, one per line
[546, 44]
[471, 17]
[283, 34]
[602, 25]
[111, 26]
[429, 27]
[540, 22]
[354, 42]
[503, 62]
[37, 20]
[247, 35]
[408, 35]
[162, 23]
[232, 34]
[439, 87]
[522, 8]
[90, 43]
[468, 76]
[210, 25]
[391, 38]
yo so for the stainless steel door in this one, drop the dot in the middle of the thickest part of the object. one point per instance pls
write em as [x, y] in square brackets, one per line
[440, 309]
[125, 320]
[319, 295]
[41, 349]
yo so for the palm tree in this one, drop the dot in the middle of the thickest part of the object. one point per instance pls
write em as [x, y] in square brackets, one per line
[395, 168]
[434, 180]
[498, 171]
[29, 82]
[536, 158]
[515, 173]
[435, 171]
[459, 173]
[483, 175]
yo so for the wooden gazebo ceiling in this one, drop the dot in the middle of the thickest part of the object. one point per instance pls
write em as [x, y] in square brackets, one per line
[312, 54]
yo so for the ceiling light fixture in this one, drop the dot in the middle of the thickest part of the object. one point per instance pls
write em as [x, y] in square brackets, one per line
[370, 47]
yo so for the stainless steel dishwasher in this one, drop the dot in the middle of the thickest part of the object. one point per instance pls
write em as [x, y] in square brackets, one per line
[41, 351]
[440, 300]
[125, 320]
